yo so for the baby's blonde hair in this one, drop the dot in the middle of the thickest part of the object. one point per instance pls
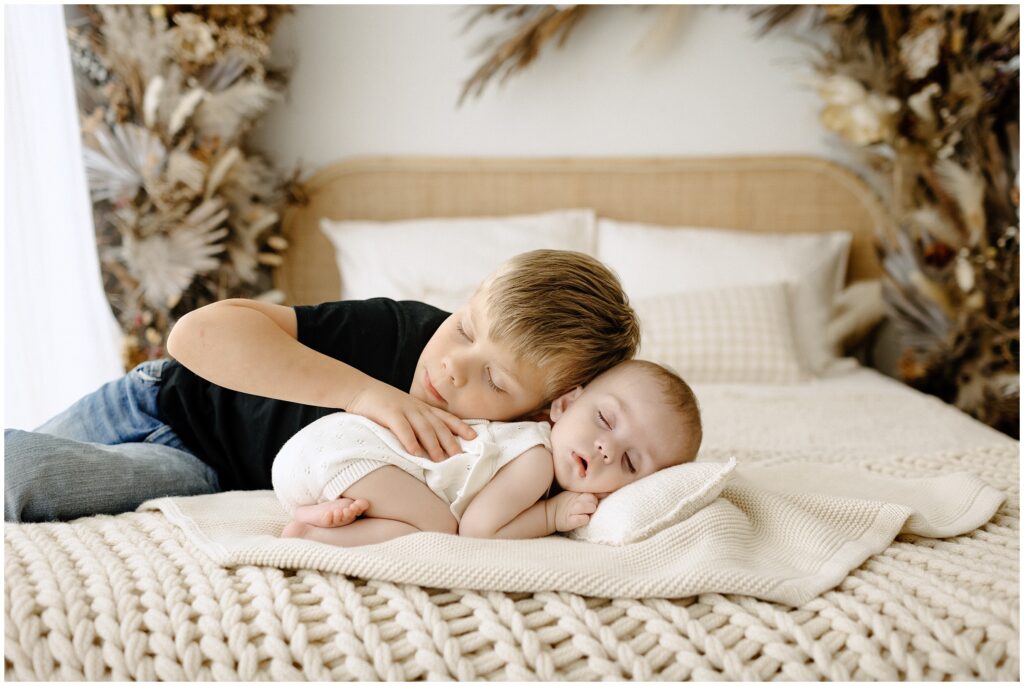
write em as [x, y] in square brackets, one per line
[564, 312]
[682, 399]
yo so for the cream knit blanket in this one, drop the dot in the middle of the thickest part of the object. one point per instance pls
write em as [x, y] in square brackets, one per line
[132, 597]
[784, 533]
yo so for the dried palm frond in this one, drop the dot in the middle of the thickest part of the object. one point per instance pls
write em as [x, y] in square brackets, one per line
[126, 29]
[224, 115]
[165, 264]
[121, 160]
[519, 46]
[185, 169]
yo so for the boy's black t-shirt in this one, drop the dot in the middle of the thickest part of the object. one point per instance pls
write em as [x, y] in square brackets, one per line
[239, 434]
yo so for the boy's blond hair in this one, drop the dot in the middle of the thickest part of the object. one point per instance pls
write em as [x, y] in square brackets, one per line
[564, 312]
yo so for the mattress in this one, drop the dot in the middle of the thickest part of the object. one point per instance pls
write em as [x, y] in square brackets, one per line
[131, 598]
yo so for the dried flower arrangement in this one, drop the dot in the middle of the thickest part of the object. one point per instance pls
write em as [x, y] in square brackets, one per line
[929, 96]
[184, 213]
[515, 49]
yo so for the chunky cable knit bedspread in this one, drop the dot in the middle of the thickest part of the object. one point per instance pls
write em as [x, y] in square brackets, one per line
[131, 597]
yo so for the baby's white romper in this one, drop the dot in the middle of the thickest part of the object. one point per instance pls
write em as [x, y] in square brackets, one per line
[322, 460]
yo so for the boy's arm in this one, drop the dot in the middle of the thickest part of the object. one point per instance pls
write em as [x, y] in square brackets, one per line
[509, 506]
[252, 347]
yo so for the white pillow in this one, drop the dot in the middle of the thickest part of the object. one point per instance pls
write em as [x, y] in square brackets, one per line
[442, 261]
[727, 335]
[648, 505]
[656, 260]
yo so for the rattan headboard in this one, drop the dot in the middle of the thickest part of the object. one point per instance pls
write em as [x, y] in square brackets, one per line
[792, 194]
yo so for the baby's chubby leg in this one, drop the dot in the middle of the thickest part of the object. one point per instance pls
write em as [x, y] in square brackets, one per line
[333, 513]
[398, 504]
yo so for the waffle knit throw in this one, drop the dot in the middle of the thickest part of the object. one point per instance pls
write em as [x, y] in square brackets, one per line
[133, 597]
[784, 533]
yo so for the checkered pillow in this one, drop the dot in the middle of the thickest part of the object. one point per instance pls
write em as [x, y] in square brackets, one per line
[738, 335]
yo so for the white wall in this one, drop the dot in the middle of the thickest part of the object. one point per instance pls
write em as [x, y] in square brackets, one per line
[377, 80]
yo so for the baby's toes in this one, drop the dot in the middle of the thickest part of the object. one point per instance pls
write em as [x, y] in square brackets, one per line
[351, 512]
[346, 516]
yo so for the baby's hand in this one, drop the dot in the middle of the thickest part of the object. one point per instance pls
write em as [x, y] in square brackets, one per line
[573, 510]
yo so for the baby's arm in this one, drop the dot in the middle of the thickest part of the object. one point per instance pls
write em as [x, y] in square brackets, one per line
[510, 505]
[253, 347]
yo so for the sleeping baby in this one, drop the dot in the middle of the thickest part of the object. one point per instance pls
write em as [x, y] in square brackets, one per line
[347, 481]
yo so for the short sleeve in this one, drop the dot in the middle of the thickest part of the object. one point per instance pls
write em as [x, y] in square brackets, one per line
[380, 337]
[515, 438]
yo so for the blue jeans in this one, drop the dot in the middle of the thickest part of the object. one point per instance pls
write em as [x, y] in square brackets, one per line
[106, 454]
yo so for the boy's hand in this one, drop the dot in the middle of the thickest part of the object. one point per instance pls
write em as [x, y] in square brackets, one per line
[573, 510]
[416, 424]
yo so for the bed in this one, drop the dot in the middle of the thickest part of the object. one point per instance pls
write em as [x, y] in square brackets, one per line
[133, 597]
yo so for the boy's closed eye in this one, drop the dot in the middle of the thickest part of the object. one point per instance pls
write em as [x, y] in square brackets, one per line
[490, 379]
[494, 386]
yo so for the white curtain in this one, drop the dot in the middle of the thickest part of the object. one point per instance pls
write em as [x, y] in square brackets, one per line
[60, 338]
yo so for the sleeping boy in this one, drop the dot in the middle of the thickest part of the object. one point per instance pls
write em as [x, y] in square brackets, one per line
[248, 375]
[347, 481]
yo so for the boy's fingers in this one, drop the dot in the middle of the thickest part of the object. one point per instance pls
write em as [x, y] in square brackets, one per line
[427, 437]
[403, 430]
[456, 425]
[444, 435]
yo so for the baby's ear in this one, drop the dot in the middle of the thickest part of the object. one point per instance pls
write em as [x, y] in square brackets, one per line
[563, 402]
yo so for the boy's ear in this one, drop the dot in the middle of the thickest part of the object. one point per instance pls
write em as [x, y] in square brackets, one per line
[563, 402]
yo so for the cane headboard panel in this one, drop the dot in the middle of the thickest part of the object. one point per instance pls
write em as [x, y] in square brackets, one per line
[787, 194]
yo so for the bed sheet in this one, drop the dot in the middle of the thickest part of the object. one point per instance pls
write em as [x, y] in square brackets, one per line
[855, 411]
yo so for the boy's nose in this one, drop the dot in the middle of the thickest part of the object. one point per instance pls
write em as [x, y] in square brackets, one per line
[453, 371]
[602, 449]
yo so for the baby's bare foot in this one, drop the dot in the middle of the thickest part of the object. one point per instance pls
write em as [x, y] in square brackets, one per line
[332, 513]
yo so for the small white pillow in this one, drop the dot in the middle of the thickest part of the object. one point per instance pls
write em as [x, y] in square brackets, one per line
[442, 261]
[657, 260]
[648, 505]
[728, 335]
